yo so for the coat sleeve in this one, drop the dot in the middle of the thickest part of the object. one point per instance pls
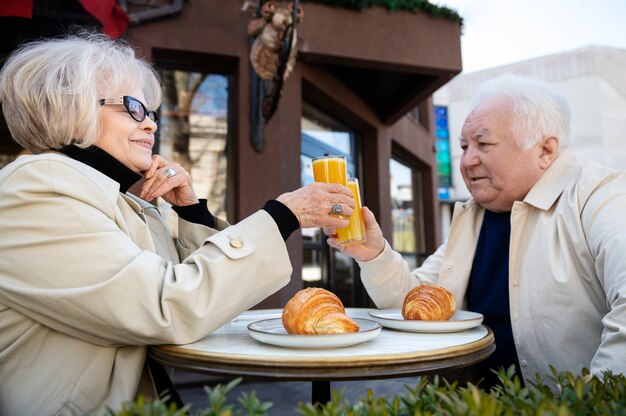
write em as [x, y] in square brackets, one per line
[604, 224]
[69, 259]
[387, 278]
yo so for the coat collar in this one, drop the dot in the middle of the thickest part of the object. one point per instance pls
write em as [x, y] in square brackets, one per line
[563, 171]
[103, 163]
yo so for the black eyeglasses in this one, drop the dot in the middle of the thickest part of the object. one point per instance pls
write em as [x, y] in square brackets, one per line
[135, 108]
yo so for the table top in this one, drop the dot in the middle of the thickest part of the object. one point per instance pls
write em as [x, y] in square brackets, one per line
[231, 351]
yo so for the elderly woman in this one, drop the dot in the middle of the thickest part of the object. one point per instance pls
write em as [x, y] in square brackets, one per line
[89, 276]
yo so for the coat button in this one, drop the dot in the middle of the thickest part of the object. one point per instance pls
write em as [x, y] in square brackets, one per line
[523, 363]
[235, 242]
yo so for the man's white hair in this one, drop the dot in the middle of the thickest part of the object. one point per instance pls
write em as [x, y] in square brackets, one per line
[540, 110]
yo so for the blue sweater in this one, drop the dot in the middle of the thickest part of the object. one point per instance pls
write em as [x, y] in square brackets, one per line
[488, 292]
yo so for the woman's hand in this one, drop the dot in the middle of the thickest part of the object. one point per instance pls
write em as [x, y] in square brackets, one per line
[176, 189]
[371, 248]
[311, 204]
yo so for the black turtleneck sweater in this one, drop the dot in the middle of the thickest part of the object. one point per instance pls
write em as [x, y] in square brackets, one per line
[198, 213]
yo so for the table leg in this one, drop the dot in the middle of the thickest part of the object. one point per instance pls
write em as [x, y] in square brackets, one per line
[163, 383]
[320, 392]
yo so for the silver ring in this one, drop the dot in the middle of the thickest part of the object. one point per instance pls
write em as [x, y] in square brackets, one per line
[337, 209]
[169, 172]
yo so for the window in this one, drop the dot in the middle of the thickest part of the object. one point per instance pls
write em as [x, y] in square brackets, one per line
[322, 266]
[194, 131]
[407, 213]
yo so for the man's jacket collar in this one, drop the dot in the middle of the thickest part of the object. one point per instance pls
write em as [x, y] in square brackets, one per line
[565, 169]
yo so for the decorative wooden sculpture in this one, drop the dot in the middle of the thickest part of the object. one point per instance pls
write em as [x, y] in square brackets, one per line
[272, 56]
[270, 31]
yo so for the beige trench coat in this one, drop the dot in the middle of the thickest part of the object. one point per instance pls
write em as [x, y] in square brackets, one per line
[90, 276]
[567, 269]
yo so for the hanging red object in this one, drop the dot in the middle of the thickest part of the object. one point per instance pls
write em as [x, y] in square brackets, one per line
[113, 18]
[17, 8]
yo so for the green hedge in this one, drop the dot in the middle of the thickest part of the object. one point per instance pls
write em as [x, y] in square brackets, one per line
[562, 394]
[393, 5]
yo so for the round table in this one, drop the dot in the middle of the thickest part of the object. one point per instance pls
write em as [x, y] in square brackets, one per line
[231, 351]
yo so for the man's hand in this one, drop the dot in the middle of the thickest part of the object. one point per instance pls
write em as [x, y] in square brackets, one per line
[371, 248]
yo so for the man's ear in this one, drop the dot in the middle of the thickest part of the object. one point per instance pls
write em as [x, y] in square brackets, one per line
[549, 151]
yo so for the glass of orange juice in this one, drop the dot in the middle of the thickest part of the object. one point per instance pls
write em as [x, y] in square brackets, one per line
[355, 231]
[331, 169]
[334, 169]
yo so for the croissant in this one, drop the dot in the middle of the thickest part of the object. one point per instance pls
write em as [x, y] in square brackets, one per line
[316, 311]
[428, 303]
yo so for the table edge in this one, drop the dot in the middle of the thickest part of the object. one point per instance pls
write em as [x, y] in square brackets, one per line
[174, 355]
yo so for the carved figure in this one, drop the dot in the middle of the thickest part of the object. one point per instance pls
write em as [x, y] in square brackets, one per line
[269, 31]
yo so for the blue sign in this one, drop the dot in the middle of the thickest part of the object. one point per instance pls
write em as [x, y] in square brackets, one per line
[442, 146]
[444, 193]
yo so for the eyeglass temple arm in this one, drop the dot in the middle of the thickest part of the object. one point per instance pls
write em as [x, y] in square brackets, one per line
[112, 101]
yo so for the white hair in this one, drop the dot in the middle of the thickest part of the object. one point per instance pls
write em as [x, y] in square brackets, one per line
[539, 109]
[50, 88]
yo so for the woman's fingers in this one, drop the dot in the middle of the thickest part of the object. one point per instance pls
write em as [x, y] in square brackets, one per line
[157, 162]
[164, 180]
[313, 205]
[330, 221]
[162, 177]
[149, 174]
[341, 209]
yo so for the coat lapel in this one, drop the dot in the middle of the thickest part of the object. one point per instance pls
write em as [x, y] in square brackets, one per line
[134, 223]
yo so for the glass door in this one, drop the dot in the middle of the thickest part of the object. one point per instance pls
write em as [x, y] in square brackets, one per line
[322, 266]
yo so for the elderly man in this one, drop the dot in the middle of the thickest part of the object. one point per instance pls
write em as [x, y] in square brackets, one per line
[539, 249]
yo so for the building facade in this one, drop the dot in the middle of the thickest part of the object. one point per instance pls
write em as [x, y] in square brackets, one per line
[361, 87]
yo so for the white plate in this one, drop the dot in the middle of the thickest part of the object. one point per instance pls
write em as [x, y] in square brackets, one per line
[460, 321]
[271, 331]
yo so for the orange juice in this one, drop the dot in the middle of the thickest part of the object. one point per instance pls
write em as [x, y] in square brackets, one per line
[355, 231]
[330, 169]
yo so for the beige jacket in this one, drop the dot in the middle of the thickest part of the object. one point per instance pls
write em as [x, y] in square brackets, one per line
[90, 276]
[567, 269]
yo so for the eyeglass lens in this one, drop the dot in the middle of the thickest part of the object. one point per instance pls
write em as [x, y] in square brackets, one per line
[137, 110]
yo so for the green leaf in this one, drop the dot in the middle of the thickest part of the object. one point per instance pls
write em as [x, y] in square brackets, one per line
[560, 394]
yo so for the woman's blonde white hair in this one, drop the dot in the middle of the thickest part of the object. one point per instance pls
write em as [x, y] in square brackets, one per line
[50, 88]
[540, 110]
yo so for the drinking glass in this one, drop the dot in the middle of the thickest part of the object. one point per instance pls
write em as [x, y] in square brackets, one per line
[355, 231]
